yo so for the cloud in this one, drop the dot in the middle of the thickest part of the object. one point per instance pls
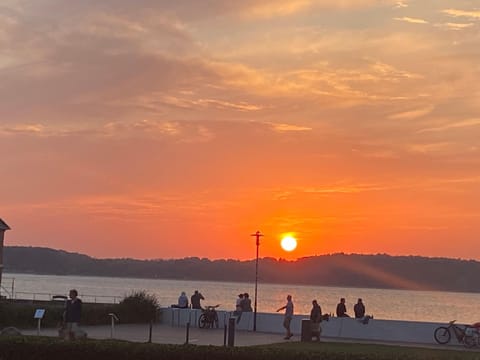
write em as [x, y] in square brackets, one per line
[467, 123]
[440, 147]
[401, 4]
[412, 114]
[456, 26]
[472, 14]
[289, 127]
[411, 20]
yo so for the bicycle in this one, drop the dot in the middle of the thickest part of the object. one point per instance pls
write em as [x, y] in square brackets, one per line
[468, 335]
[209, 317]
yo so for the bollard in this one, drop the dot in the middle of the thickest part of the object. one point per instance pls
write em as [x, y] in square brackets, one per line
[225, 335]
[231, 331]
[113, 318]
[150, 332]
[187, 333]
[306, 335]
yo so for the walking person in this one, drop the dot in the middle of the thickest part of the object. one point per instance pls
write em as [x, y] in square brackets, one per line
[316, 319]
[288, 316]
[72, 314]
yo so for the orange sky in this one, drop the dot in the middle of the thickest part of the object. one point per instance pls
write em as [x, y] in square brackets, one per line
[167, 129]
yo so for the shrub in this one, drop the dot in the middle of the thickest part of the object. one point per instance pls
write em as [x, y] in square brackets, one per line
[138, 307]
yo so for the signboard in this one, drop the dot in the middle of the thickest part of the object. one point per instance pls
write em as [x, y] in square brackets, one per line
[39, 313]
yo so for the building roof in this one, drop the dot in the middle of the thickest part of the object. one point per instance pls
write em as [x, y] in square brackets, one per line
[3, 225]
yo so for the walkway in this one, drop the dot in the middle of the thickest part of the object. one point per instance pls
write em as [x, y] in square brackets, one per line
[166, 334]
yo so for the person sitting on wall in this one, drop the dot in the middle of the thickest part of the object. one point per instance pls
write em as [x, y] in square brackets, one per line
[342, 309]
[182, 301]
[195, 300]
[359, 309]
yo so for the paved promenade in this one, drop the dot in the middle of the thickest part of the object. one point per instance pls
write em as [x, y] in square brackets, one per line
[166, 334]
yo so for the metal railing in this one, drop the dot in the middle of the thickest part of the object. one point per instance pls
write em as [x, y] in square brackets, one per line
[38, 296]
[10, 291]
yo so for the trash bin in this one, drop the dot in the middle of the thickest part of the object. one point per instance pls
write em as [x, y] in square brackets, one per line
[306, 335]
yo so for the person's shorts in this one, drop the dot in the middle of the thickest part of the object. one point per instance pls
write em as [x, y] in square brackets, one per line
[316, 328]
[287, 321]
[71, 326]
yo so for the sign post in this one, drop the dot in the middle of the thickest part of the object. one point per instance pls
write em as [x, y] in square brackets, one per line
[39, 313]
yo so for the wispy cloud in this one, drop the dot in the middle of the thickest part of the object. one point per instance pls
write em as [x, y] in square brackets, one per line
[289, 127]
[401, 4]
[453, 125]
[455, 26]
[412, 114]
[471, 14]
[411, 20]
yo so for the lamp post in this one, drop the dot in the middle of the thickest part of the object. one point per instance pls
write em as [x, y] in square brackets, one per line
[257, 242]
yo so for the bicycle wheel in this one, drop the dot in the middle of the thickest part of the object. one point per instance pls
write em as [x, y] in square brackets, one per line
[442, 335]
[202, 321]
[470, 341]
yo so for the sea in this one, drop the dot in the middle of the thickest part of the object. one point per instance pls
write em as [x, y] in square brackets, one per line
[431, 306]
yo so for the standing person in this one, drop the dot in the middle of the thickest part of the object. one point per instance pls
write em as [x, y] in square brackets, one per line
[316, 319]
[288, 316]
[247, 303]
[73, 313]
[239, 307]
[195, 300]
[359, 309]
[342, 309]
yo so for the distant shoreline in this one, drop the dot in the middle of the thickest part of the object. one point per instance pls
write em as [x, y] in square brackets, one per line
[336, 270]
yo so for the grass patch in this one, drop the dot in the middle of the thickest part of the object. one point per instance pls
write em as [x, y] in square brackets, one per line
[39, 348]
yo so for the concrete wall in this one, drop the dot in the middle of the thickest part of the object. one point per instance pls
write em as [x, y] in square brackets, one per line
[342, 328]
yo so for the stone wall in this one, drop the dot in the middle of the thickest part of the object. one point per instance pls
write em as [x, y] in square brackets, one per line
[341, 328]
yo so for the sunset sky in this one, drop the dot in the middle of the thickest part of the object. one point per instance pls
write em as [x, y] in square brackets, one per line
[168, 129]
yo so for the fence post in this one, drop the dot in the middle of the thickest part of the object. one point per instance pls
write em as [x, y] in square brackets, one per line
[231, 331]
[187, 333]
[150, 332]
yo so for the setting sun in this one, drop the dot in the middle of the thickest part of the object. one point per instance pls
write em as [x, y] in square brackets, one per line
[288, 243]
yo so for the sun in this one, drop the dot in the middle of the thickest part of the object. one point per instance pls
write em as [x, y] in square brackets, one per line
[288, 243]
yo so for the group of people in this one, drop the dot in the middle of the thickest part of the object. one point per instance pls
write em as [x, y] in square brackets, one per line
[316, 316]
[243, 304]
[194, 301]
[358, 309]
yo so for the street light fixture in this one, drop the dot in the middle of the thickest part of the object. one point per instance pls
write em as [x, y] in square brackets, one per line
[257, 236]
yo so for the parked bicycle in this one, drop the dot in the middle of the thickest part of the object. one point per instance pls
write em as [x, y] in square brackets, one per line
[209, 317]
[468, 335]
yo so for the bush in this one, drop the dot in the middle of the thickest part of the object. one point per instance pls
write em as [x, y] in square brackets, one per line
[138, 307]
[20, 314]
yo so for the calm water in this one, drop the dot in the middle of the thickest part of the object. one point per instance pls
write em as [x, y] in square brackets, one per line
[383, 304]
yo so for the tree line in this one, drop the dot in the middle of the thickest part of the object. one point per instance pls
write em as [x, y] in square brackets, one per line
[349, 270]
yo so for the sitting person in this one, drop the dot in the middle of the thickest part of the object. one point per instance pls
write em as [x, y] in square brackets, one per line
[342, 309]
[183, 301]
[359, 309]
[195, 300]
